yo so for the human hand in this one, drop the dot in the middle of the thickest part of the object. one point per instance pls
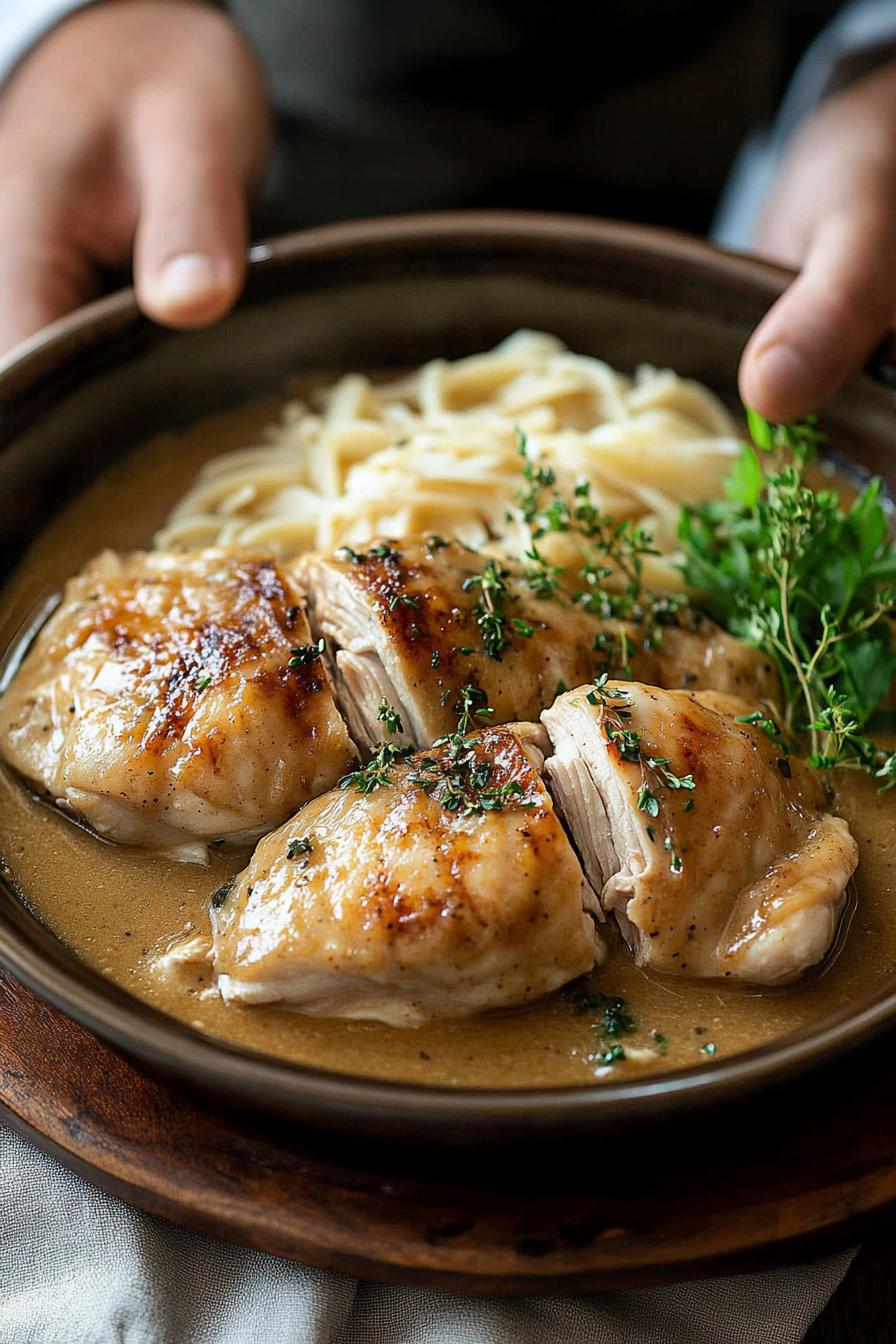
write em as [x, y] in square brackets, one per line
[135, 126]
[832, 215]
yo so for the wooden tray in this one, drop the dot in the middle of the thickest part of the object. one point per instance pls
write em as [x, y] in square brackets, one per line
[788, 1178]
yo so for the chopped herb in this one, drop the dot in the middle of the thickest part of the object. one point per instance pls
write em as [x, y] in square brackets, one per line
[220, 896]
[203, 683]
[611, 1056]
[561, 686]
[404, 600]
[709, 1048]
[458, 778]
[655, 772]
[435, 659]
[301, 846]
[651, 834]
[390, 716]
[661, 1042]
[414, 630]
[306, 654]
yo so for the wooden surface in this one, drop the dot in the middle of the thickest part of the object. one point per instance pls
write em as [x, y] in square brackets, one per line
[744, 1190]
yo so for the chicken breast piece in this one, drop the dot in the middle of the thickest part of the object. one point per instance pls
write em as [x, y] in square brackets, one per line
[175, 699]
[714, 859]
[405, 623]
[387, 905]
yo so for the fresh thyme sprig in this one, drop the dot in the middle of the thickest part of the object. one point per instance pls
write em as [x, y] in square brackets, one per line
[497, 626]
[606, 546]
[655, 773]
[458, 777]
[375, 774]
[608, 549]
[383, 550]
[811, 583]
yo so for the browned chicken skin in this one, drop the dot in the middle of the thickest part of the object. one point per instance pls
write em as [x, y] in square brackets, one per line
[401, 619]
[159, 702]
[386, 905]
[738, 872]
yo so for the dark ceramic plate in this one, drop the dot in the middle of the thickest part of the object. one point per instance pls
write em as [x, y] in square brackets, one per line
[372, 294]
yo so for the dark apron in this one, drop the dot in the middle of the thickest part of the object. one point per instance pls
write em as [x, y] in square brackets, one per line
[633, 109]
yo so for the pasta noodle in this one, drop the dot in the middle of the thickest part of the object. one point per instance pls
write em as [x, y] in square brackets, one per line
[439, 451]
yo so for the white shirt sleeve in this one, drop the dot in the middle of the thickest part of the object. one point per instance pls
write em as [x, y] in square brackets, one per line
[861, 38]
[24, 22]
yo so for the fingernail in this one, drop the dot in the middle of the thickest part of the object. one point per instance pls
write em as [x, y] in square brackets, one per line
[787, 379]
[185, 279]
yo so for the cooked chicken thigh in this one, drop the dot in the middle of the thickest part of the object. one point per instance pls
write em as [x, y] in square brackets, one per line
[176, 699]
[390, 905]
[406, 621]
[715, 860]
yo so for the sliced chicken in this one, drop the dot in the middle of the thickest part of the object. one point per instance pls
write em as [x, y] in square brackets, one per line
[408, 902]
[173, 700]
[405, 623]
[714, 853]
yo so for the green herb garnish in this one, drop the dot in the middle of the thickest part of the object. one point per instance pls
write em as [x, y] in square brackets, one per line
[375, 774]
[306, 654]
[296, 847]
[490, 610]
[390, 716]
[655, 773]
[810, 582]
[220, 896]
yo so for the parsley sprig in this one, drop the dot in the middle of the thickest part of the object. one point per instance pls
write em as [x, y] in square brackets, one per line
[810, 582]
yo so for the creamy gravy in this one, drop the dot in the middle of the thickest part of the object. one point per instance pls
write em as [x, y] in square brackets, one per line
[118, 908]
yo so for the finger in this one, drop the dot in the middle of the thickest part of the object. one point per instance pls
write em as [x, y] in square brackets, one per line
[192, 185]
[825, 326]
[44, 272]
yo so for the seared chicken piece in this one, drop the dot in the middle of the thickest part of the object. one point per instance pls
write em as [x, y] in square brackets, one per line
[405, 619]
[715, 860]
[176, 699]
[389, 905]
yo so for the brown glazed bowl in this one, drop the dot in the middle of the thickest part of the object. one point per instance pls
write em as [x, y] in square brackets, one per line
[376, 293]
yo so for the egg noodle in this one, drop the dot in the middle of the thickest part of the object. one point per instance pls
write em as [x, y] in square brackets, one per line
[439, 450]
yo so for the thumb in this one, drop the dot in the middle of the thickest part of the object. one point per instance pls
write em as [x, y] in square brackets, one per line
[823, 329]
[194, 171]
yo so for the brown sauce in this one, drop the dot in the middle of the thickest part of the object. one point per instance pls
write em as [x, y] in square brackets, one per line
[119, 908]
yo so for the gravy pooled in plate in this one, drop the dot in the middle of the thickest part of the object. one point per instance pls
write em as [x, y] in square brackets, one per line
[133, 907]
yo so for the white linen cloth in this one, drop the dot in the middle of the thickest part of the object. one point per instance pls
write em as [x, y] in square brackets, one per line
[79, 1267]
